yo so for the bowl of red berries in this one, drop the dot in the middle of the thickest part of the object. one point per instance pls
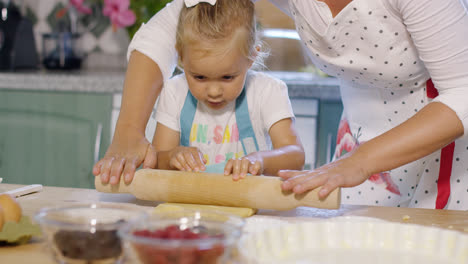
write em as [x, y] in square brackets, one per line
[186, 236]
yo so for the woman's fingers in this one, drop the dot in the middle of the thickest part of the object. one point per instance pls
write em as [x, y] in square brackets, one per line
[286, 174]
[97, 168]
[302, 182]
[340, 173]
[310, 181]
[291, 178]
[151, 158]
[125, 154]
[116, 170]
[129, 170]
[331, 184]
[106, 164]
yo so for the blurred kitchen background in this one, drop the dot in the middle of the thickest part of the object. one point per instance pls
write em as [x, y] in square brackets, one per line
[61, 82]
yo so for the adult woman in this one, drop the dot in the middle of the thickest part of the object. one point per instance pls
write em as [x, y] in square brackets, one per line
[387, 55]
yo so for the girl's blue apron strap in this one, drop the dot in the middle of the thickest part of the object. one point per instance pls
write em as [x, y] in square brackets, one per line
[186, 118]
[244, 125]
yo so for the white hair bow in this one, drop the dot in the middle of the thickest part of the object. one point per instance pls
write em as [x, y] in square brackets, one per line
[190, 3]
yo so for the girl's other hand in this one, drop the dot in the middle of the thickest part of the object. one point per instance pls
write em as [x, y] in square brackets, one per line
[345, 172]
[240, 167]
[187, 159]
[125, 154]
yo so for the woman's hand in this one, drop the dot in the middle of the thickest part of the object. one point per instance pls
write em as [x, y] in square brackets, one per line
[129, 147]
[127, 152]
[239, 168]
[345, 172]
[187, 159]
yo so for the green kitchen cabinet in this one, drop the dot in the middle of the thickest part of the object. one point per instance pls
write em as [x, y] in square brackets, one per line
[52, 138]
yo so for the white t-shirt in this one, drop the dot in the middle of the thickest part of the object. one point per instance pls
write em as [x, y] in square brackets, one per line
[215, 132]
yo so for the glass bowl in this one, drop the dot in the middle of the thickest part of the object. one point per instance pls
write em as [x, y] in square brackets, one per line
[86, 233]
[185, 236]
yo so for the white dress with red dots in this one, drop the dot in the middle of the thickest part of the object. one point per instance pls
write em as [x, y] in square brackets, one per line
[387, 54]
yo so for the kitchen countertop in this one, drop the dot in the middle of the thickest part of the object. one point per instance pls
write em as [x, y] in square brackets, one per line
[34, 252]
[300, 84]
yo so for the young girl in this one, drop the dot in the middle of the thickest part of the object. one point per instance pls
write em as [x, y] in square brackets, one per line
[218, 111]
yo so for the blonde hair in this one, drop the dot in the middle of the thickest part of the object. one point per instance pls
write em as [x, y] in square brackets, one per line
[230, 22]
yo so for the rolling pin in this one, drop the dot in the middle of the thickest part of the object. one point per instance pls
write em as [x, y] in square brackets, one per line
[262, 192]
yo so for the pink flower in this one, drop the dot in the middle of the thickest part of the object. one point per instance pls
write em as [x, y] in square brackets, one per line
[343, 129]
[78, 4]
[385, 179]
[119, 13]
[347, 144]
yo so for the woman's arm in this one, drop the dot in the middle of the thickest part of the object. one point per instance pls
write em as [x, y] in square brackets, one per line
[152, 59]
[403, 144]
[439, 30]
[129, 147]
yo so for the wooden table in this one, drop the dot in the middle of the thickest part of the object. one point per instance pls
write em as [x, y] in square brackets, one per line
[34, 252]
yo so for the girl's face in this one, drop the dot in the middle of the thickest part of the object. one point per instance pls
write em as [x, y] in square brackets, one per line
[215, 78]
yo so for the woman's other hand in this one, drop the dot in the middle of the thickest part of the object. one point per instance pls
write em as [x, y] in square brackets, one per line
[344, 172]
[127, 152]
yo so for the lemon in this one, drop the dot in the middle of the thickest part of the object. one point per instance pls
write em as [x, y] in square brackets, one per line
[11, 208]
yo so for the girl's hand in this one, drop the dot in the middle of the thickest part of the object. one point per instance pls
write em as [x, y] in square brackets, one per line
[345, 172]
[187, 159]
[239, 168]
[124, 155]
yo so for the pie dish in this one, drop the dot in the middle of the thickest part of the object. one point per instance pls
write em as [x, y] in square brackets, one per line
[354, 240]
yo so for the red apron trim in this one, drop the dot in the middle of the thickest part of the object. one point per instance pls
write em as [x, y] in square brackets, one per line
[445, 171]
[446, 159]
[431, 91]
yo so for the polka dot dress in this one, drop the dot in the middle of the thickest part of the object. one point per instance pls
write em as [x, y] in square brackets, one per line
[383, 83]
